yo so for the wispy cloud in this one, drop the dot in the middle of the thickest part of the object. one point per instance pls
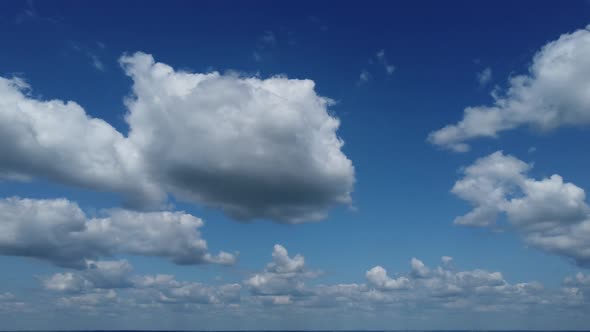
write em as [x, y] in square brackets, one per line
[389, 69]
[485, 76]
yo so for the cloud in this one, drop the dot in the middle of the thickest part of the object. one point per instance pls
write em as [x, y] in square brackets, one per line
[97, 274]
[389, 69]
[553, 94]
[57, 140]
[100, 281]
[485, 76]
[287, 286]
[283, 278]
[254, 148]
[58, 231]
[378, 278]
[364, 77]
[551, 214]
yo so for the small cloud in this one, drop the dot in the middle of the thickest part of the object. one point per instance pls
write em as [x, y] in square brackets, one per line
[364, 77]
[485, 76]
[257, 57]
[268, 38]
[264, 45]
[92, 52]
[96, 62]
[30, 13]
[532, 149]
[389, 69]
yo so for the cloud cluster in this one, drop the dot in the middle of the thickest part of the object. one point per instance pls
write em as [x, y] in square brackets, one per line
[282, 279]
[102, 282]
[551, 214]
[282, 284]
[553, 94]
[58, 231]
[255, 148]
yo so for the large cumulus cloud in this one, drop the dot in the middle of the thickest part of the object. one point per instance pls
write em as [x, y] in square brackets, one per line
[550, 213]
[553, 94]
[58, 231]
[255, 148]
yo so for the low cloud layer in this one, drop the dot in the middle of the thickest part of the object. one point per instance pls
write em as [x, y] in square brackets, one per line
[286, 283]
[553, 94]
[551, 214]
[254, 148]
[58, 231]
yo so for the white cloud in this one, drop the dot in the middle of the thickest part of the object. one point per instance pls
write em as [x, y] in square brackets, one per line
[364, 77]
[419, 270]
[282, 285]
[378, 278]
[255, 148]
[284, 276]
[551, 214]
[389, 69]
[59, 232]
[551, 95]
[485, 76]
[57, 140]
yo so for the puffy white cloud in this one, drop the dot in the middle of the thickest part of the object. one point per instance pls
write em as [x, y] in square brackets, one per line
[102, 281]
[554, 93]
[551, 214]
[378, 278]
[58, 231]
[419, 270]
[443, 290]
[284, 276]
[255, 148]
[97, 274]
[57, 140]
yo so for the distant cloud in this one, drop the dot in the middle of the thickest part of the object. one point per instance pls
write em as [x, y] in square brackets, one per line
[96, 62]
[255, 148]
[484, 77]
[59, 232]
[265, 44]
[268, 38]
[282, 279]
[551, 95]
[92, 53]
[379, 59]
[111, 286]
[30, 13]
[364, 77]
[551, 214]
[389, 69]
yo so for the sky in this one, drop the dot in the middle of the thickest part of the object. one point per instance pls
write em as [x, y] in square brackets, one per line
[223, 165]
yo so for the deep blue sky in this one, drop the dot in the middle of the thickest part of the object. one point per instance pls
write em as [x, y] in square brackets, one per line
[402, 205]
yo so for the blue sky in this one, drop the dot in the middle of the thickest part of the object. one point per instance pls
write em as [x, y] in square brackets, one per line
[212, 114]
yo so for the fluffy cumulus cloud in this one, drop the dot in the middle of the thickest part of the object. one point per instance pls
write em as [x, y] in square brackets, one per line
[378, 277]
[282, 279]
[58, 231]
[550, 213]
[552, 94]
[57, 140]
[255, 148]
